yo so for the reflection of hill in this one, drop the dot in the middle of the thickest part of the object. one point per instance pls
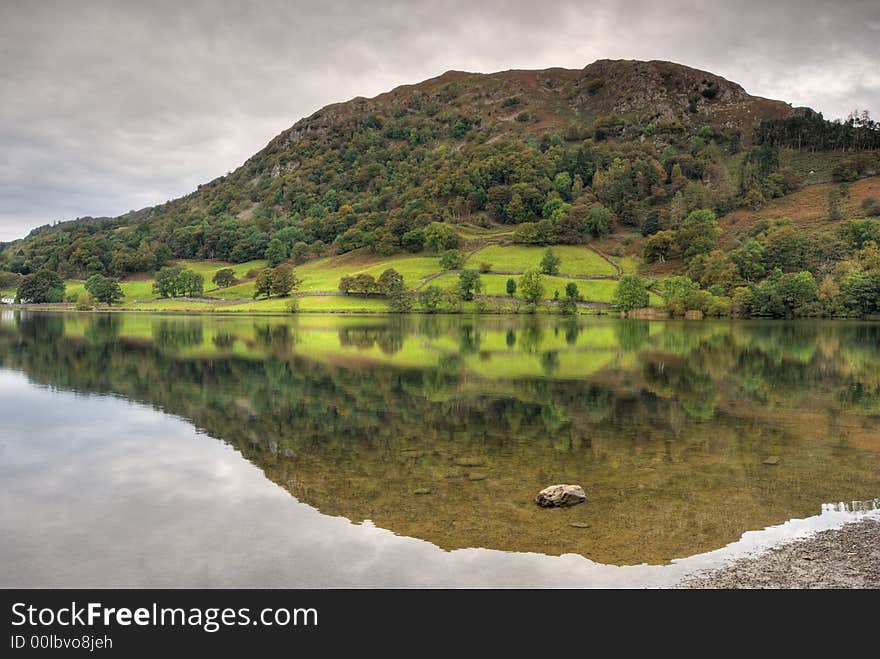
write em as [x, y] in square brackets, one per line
[668, 436]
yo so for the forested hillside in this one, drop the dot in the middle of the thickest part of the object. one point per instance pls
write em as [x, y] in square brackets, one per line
[624, 151]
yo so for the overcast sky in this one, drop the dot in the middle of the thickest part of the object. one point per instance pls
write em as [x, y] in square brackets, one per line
[111, 106]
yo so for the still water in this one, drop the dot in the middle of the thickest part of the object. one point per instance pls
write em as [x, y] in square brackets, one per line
[165, 450]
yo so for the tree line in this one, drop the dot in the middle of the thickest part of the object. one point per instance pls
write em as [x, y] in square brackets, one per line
[808, 130]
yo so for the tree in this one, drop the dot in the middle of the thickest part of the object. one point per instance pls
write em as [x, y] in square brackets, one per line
[659, 246]
[531, 286]
[276, 252]
[451, 259]
[469, 282]
[715, 269]
[698, 233]
[430, 298]
[85, 302]
[599, 221]
[263, 284]
[284, 281]
[749, 259]
[162, 255]
[571, 229]
[631, 293]
[104, 289]
[300, 252]
[534, 233]
[389, 281]
[9, 279]
[190, 283]
[516, 210]
[41, 287]
[828, 294]
[451, 299]
[346, 284]
[860, 292]
[401, 299]
[364, 284]
[799, 293]
[787, 247]
[550, 263]
[676, 291]
[167, 281]
[568, 305]
[439, 237]
[511, 287]
[562, 182]
[224, 278]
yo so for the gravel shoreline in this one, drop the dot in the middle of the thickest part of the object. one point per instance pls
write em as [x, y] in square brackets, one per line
[848, 557]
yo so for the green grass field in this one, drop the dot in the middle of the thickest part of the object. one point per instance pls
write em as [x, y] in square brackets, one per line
[140, 288]
[576, 260]
[323, 275]
[629, 264]
[591, 290]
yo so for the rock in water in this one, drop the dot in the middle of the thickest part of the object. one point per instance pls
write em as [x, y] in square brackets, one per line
[560, 495]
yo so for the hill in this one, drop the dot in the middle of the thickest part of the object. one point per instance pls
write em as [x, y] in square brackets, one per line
[605, 153]
[440, 145]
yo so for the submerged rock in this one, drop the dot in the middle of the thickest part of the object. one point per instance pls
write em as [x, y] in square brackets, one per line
[560, 495]
[422, 491]
[772, 460]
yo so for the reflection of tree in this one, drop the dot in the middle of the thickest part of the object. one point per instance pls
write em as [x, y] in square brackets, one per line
[530, 336]
[550, 362]
[389, 339]
[694, 389]
[510, 338]
[178, 334]
[277, 339]
[572, 331]
[223, 340]
[429, 327]
[40, 326]
[632, 334]
[469, 340]
[358, 337]
[103, 328]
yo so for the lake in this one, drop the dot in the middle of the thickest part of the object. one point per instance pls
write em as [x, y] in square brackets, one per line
[370, 451]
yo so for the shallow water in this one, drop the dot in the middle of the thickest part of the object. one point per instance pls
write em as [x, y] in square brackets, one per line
[162, 450]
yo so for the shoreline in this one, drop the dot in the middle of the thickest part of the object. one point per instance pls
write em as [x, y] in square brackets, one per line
[847, 557]
[542, 310]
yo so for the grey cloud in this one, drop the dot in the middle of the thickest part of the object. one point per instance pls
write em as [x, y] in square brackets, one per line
[110, 106]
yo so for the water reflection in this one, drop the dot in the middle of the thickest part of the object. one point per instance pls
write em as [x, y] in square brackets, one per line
[684, 435]
[852, 506]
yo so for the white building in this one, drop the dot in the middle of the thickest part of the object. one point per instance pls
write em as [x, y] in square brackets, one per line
[7, 300]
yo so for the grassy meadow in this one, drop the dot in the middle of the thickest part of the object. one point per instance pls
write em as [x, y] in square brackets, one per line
[594, 275]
